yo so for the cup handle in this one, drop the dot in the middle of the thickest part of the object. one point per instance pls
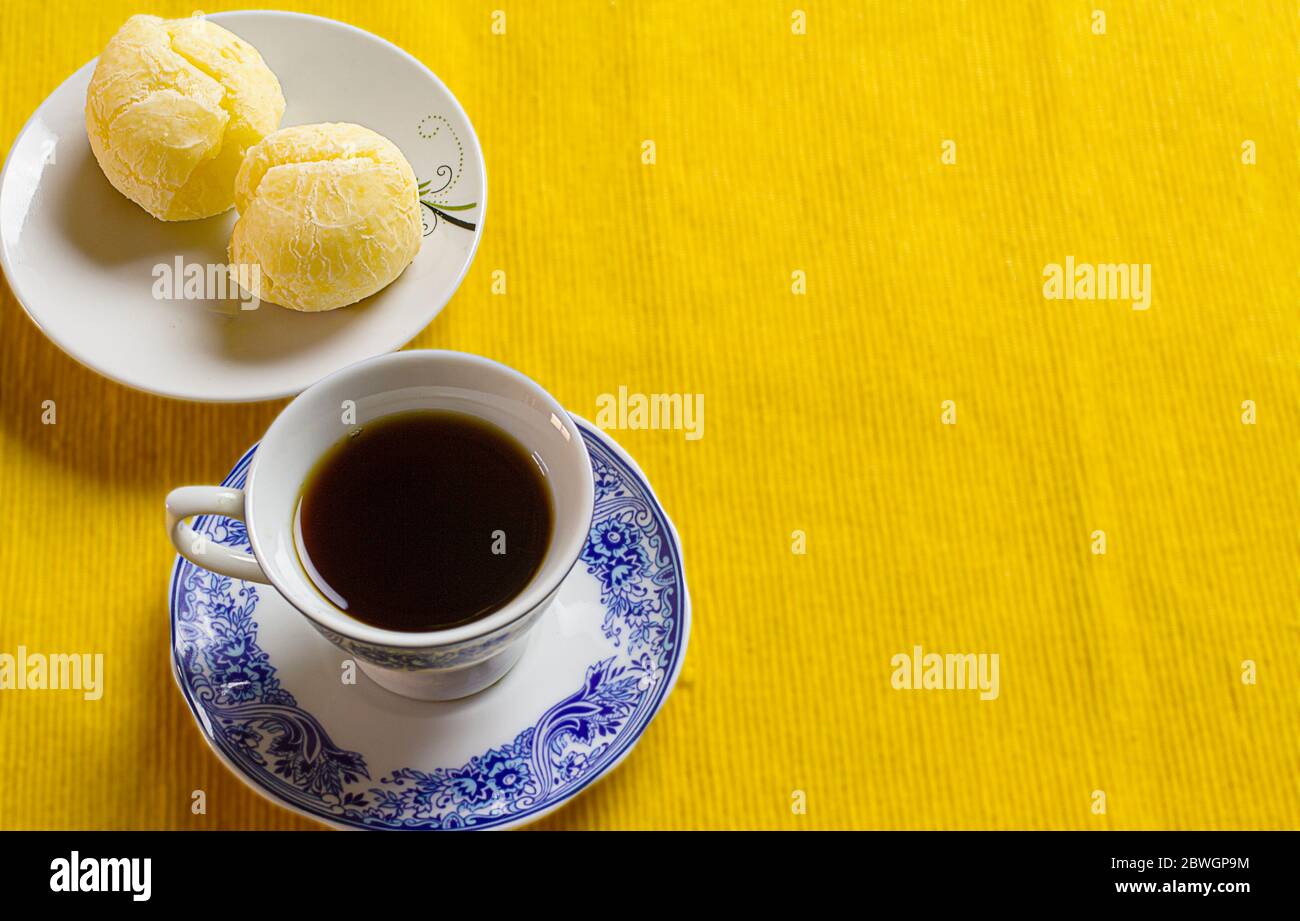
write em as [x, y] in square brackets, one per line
[202, 551]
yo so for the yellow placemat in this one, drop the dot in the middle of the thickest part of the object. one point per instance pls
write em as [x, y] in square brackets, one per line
[911, 168]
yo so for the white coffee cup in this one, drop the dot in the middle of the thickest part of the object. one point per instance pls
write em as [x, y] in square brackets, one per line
[437, 665]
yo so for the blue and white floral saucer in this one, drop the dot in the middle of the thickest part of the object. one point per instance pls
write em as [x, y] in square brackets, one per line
[281, 706]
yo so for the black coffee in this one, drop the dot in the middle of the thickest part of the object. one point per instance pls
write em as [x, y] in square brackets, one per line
[424, 520]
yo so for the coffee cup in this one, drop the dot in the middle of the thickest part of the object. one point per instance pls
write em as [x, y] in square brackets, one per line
[439, 664]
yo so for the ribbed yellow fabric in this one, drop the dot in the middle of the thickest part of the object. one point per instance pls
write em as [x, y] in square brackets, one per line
[819, 153]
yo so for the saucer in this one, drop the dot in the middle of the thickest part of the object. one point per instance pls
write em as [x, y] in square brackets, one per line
[290, 715]
[85, 262]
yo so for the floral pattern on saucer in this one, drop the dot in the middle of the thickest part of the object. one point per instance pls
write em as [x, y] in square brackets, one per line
[232, 685]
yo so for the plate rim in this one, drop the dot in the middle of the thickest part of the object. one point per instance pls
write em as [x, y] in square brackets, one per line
[260, 396]
[669, 685]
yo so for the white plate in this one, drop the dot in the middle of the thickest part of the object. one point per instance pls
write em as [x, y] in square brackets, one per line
[268, 692]
[81, 258]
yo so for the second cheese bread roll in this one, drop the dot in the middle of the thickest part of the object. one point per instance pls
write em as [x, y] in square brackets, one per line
[329, 213]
